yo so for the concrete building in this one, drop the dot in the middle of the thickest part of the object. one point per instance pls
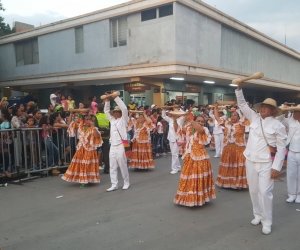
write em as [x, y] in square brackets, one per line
[138, 46]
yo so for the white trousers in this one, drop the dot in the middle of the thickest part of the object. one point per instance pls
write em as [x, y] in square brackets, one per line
[117, 158]
[293, 173]
[175, 159]
[260, 188]
[219, 138]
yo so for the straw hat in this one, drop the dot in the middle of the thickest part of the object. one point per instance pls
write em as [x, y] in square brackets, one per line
[116, 109]
[271, 102]
[297, 108]
[177, 112]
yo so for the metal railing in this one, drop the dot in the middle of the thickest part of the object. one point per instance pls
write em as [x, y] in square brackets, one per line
[23, 152]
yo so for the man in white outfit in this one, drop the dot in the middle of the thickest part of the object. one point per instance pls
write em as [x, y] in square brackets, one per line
[293, 159]
[218, 132]
[118, 119]
[261, 170]
[176, 167]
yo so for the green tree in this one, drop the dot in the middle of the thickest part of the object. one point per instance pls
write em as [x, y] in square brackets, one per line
[4, 28]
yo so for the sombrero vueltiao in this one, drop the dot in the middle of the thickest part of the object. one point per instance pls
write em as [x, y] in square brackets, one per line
[116, 109]
[271, 102]
[177, 112]
[297, 108]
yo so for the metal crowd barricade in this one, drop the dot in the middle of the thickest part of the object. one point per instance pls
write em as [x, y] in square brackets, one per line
[25, 154]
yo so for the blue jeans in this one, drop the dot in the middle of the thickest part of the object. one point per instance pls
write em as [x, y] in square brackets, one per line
[52, 151]
[159, 142]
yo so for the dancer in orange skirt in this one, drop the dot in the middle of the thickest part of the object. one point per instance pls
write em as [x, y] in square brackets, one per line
[142, 157]
[84, 167]
[232, 168]
[196, 185]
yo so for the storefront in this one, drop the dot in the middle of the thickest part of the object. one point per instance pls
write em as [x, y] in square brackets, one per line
[185, 93]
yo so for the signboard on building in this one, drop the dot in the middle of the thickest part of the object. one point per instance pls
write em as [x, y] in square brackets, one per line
[192, 88]
[136, 87]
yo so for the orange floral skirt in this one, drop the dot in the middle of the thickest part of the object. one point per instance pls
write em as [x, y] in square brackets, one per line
[196, 185]
[142, 157]
[232, 169]
[212, 142]
[84, 167]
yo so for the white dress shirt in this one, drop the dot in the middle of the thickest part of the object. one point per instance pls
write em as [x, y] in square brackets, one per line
[293, 138]
[218, 129]
[172, 134]
[117, 125]
[275, 133]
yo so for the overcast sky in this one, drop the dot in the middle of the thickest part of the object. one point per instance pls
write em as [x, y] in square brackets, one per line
[272, 17]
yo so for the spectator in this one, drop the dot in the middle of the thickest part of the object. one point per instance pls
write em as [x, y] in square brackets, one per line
[64, 102]
[31, 140]
[52, 150]
[57, 96]
[37, 115]
[71, 102]
[148, 112]
[50, 110]
[94, 104]
[5, 141]
[53, 99]
[103, 125]
[132, 105]
[160, 136]
[16, 122]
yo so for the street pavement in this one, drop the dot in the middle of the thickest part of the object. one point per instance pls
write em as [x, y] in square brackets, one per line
[143, 217]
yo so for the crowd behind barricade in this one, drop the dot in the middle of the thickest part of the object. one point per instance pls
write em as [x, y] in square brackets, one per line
[97, 137]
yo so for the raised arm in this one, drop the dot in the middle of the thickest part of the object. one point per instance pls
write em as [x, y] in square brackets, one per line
[247, 111]
[123, 108]
[216, 113]
[165, 117]
[148, 120]
[107, 109]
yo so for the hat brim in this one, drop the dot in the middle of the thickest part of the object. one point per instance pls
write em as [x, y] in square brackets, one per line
[292, 109]
[177, 113]
[112, 111]
[278, 112]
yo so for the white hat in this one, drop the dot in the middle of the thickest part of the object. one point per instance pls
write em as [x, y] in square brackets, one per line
[152, 106]
[52, 96]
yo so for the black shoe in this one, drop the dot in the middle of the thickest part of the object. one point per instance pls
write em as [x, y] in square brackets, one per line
[106, 172]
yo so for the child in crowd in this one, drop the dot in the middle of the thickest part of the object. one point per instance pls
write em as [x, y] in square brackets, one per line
[160, 136]
[94, 104]
[70, 102]
[64, 102]
[52, 150]
[31, 140]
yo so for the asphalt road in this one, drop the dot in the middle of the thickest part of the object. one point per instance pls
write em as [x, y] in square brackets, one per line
[143, 217]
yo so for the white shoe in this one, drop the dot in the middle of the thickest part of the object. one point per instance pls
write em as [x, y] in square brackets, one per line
[173, 172]
[157, 155]
[266, 230]
[297, 199]
[292, 198]
[216, 156]
[112, 189]
[101, 168]
[126, 186]
[255, 222]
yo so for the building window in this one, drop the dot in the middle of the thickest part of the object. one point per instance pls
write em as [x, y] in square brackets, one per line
[27, 52]
[119, 32]
[166, 10]
[79, 40]
[148, 15]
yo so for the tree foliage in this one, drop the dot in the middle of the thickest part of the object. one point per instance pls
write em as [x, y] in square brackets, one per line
[4, 28]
